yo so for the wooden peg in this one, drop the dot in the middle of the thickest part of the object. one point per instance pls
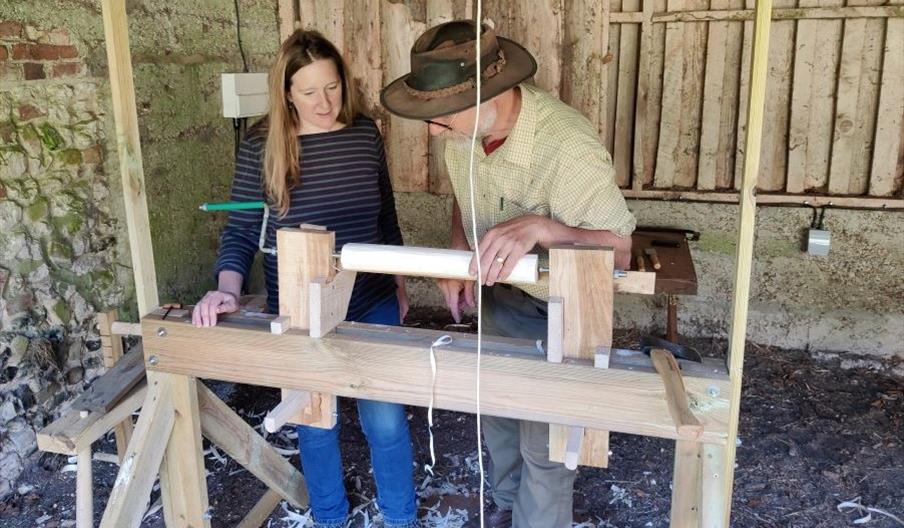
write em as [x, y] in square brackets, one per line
[686, 423]
[554, 330]
[294, 405]
[573, 447]
[654, 257]
[638, 258]
[122, 328]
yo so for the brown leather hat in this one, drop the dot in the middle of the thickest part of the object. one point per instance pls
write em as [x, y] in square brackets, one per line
[444, 71]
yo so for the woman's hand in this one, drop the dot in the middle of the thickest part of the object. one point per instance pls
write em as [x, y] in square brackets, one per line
[402, 294]
[212, 304]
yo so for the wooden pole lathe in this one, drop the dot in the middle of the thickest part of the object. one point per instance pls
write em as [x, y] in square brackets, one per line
[392, 364]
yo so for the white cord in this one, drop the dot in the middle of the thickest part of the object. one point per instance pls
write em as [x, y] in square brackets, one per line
[443, 340]
[479, 16]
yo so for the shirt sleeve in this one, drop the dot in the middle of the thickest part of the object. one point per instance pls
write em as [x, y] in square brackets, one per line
[585, 195]
[388, 220]
[239, 241]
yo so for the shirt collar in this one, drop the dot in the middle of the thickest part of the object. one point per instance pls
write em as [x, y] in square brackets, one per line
[519, 146]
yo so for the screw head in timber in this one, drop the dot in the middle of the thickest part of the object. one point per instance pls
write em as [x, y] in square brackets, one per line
[713, 391]
[161, 332]
[153, 360]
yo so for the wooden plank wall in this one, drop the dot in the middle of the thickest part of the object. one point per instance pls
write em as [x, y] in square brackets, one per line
[665, 82]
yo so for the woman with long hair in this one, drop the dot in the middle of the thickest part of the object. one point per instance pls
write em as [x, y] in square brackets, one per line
[316, 160]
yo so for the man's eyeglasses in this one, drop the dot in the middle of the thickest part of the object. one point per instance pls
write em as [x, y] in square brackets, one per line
[429, 122]
[443, 125]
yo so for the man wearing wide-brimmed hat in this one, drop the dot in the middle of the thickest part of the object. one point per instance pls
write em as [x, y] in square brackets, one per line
[541, 178]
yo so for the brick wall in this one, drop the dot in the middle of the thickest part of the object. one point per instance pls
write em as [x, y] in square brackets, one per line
[58, 257]
[27, 54]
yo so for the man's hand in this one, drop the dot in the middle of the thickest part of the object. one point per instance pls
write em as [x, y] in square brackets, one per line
[503, 246]
[459, 294]
[212, 304]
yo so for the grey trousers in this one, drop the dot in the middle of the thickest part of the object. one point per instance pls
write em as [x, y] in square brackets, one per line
[523, 479]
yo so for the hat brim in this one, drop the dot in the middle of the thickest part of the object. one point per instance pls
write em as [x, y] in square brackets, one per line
[519, 66]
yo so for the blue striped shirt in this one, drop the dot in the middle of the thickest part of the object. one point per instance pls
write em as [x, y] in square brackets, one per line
[344, 186]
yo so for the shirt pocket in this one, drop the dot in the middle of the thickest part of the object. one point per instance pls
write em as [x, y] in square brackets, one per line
[509, 208]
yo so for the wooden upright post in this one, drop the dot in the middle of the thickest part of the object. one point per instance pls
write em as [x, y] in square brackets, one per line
[744, 254]
[128, 148]
[582, 278]
[183, 479]
[305, 255]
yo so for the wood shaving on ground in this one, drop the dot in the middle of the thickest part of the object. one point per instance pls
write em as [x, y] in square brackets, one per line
[856, 505]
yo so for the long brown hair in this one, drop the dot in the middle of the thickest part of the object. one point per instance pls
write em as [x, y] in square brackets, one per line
[281, 154]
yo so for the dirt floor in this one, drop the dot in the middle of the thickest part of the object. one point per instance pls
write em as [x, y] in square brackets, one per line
[816, 430]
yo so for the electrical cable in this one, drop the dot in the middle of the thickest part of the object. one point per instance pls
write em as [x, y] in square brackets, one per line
[238, 35]
[478, 75]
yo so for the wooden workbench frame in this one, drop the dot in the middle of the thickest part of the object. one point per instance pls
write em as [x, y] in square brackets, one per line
[708, 469]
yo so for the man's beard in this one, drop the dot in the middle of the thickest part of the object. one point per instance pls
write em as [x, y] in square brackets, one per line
[484, 126]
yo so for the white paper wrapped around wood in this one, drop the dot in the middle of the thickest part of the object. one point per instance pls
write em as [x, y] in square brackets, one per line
[426, 262]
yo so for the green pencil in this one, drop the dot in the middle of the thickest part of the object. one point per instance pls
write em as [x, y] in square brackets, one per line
[231, 206]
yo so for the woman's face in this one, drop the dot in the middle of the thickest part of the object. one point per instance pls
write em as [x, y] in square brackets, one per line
[316, 94]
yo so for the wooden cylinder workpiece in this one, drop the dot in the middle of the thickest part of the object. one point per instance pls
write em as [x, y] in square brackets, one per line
[426, 262]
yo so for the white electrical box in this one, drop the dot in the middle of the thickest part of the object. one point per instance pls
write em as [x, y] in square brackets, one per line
[818, 242]
[244, 94]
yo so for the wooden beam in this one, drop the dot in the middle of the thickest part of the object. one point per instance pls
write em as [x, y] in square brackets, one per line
[229, 432]
[72, 433]
[636, 17]
[108, 389]
[746, 231]
[128, 149]
[388, 364]
[132, 490]
[183, 478]
[261, 510]
[864, 202]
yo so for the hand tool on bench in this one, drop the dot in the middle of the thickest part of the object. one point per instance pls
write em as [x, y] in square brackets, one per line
[649, 343]
[654, 258]
[638, 258]
[665, 243]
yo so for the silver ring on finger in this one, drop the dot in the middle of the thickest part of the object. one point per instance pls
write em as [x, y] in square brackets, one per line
[500, 260]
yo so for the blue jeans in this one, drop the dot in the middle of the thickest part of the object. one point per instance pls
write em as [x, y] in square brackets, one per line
[386, 428]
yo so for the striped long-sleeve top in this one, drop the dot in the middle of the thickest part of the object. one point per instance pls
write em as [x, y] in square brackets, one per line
[344, 186]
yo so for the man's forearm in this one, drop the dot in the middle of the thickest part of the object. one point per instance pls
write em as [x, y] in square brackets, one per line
[563, 234]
